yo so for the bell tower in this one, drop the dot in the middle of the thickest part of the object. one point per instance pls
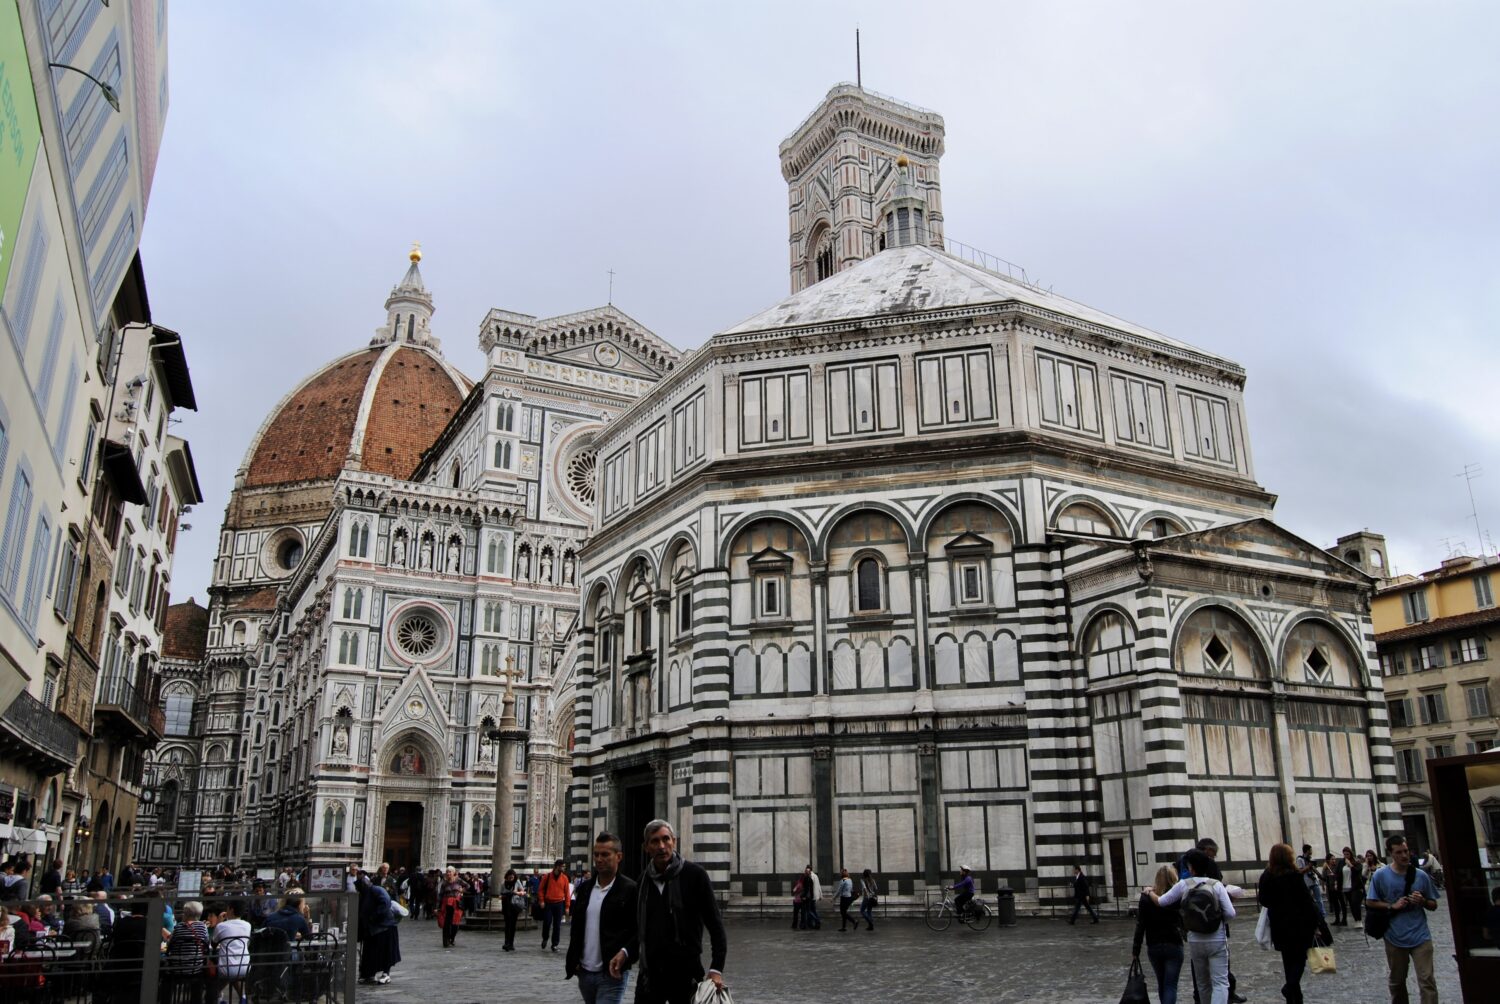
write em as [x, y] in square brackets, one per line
[846, 185]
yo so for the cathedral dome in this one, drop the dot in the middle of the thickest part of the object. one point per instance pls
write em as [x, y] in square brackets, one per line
[375, 410]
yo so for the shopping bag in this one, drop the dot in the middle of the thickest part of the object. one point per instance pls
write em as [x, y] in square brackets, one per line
[1263, 929]
[1135, 985]
[710, 994]
[1320, 959]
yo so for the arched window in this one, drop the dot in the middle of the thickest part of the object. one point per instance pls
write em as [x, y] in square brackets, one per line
[354, 602]
[349, 647]
[1082, 518]
[869, 586]
[359, 539]
[458, 474]
[166, 813]
[1110, 648]
[276, 713]
[240, 629]
[179, 712]
[505, 418]
[479, 828]
[333, 823]
[494, 555]
[1157, 528]
[503, 454]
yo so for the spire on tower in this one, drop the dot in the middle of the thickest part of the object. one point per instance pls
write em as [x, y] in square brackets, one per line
[409, 308]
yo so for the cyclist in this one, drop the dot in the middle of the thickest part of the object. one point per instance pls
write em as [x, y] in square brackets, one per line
[963, 891]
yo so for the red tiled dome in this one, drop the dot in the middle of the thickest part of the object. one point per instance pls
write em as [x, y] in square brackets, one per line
[411, 395]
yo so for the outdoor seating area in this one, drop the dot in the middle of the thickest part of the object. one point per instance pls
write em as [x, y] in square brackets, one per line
[123, 965]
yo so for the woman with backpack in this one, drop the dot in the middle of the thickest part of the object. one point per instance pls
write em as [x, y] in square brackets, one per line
[1293, 916]
[1205, 908]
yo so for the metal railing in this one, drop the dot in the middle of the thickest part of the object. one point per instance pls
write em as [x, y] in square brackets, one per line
[43, 728]
[117, 692]
[132, 959]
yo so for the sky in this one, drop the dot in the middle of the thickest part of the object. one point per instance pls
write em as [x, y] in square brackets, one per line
[1306, 188]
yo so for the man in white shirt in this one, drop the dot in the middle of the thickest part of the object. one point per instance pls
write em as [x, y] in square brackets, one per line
[604, 924]
[232, 936]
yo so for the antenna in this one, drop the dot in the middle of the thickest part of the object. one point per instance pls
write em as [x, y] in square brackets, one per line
[859, 80]
[1469, 473]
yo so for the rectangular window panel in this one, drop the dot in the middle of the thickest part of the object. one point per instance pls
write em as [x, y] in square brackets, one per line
[981, 393]
[888, 396]
[775, 409]
[750, 413]
[864, 399]
[1067, 392]
[955, 395]
[1482, 594]
[838, 402]
[797, 405]
[930, 379]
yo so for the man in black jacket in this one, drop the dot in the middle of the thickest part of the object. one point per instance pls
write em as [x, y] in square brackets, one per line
[674, 904]
[603, 925]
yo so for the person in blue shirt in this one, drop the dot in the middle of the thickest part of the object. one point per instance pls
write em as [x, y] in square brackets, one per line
[963, 890]
[1408, 942]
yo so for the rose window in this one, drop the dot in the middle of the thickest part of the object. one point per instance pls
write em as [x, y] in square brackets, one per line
[417, 635]
[580, 476]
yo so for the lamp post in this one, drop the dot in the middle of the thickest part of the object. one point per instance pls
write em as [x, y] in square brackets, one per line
[502, 735]
[108, 91]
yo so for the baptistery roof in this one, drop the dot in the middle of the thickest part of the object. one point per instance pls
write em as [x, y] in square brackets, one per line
[375, 409]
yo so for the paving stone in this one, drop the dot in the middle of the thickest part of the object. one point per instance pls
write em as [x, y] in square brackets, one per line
[901, 961]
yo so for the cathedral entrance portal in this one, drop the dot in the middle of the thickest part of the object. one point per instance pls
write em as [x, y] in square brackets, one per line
[639, 805]
[403, 835]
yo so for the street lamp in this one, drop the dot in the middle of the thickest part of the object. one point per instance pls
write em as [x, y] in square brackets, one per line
[502, 736]
[105, 89]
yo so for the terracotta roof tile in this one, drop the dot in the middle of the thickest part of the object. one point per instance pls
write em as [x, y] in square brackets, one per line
[413, 404]
[1440, 626]
[185, 634]
[262, 599]
[309, 438]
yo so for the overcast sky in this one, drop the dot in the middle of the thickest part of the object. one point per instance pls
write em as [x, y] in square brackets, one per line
[1307, 188]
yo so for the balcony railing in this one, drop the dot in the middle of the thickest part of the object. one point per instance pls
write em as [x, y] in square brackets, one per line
[35, 732]
[119, 698]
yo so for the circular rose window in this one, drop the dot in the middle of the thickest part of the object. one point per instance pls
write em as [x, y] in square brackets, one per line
[580, 476]
[417, 635]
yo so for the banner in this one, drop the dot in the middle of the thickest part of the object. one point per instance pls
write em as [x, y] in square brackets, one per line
[20, 133]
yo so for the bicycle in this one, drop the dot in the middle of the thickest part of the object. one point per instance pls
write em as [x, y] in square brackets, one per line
[940, 915]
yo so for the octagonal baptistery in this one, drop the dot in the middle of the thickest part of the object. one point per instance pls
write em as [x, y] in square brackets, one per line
[925, 566]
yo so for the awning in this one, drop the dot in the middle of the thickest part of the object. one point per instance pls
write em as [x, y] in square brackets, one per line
[22, 840]
[119, 467]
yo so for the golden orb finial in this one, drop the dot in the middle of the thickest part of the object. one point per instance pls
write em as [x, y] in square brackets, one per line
[416, 252]
[901, 160]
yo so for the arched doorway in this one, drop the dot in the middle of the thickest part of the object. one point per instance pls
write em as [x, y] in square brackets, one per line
[409, 799]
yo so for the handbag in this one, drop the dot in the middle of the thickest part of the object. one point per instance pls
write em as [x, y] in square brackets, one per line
[710, 994]
[1135, 985]
[1320, 959]
[1263, 929]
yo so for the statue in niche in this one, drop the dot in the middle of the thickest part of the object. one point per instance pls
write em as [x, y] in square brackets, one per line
[546, 569]
[487, 753]
[426, 555]
[341, 740]
[567, 568]
[398, 551]
[523, 563]
[453, 556]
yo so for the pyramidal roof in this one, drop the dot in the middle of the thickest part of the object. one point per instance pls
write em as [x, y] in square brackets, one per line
[917, 279]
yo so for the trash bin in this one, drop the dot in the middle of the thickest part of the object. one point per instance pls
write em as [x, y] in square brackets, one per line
[1005, 907]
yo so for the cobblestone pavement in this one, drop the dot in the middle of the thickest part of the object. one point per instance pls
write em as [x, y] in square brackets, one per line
[901, 961]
